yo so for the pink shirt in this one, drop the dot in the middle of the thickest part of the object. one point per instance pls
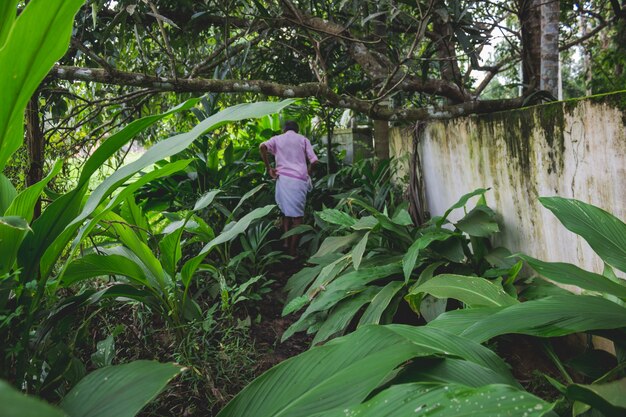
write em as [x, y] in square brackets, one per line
[291, 151]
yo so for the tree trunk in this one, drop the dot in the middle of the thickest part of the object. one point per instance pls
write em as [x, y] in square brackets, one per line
[549, 78]
[35, 143]
[539, 20]
[381, 139]
[530, 22]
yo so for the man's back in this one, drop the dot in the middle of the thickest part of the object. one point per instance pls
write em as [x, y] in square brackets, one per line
[291, 151]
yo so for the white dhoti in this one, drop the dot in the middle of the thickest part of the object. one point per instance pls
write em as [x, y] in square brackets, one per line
[291, 195]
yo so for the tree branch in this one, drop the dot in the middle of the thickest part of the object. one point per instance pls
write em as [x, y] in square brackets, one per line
[318, 90]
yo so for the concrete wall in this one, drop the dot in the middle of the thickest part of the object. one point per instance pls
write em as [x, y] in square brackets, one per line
[574, 149]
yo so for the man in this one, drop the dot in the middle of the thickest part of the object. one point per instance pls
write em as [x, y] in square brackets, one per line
[295, 160]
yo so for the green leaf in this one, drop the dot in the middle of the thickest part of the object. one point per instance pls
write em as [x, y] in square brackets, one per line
[605, 233]
[340, 288]
[479, 222]
[473, 291]
[93, 265]
[572, 275]
[23, 204]
[380, 302]
[171, 250]
[246, 196]
[409, 259]
[13, 230]
[7, 194]
[36, 40]
[545, 317]
[607, 398]
[16, 404]
[341, 316]
[365, 223]
[338, 217]
[359, 249]
[455, 371]
[119, 391]
[325, 377]
[295, 305]
[449, 400]
[8, 10]
[462, 201]
[336, 244]
[238, 227]
[60, 216]
[345, 371]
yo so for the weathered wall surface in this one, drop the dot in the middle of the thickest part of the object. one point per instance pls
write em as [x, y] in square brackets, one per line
[571, 149]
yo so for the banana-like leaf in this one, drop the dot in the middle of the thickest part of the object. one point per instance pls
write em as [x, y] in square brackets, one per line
[454, 371]
[343, 372]
[206, 200]
[233, 230]
[380, 303]
[408, 262]
[341, 316]
[7, 193]
[608, 398]
[479, 222]
[119, 391]
[462, 201]
[344, 286]
[63, 211]
[28, 49]
[358, 251]
[457, 321]
[23, 204]
[8, 10]
[129, 238]
[546, 317]
[473, 291]
[93, 265]
[450, 400]
[337, 217]
[13, 229]
[572, 275]
[238, 227]
[336, 244]
[15, 403]
[605, 233]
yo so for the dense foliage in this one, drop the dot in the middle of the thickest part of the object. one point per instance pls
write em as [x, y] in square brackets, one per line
[141, 271]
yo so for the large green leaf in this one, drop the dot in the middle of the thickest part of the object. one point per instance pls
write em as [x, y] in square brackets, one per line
[473, 291]
[450, 400]
[380, 303]
[572, 275]
[462, 201]
[480, 222]
[94, 265]
[238, 227]
[7, 193]
[341, 316]
[36, 40]
[8, 10]
[23, 204]
[343, 372]
[119, 391]
[605, 233]
[608, 398]
[334, 244]
[65, 209]
[13, 230]
[16, 404]
[408, 262]
[545, 317]
[337, 217]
